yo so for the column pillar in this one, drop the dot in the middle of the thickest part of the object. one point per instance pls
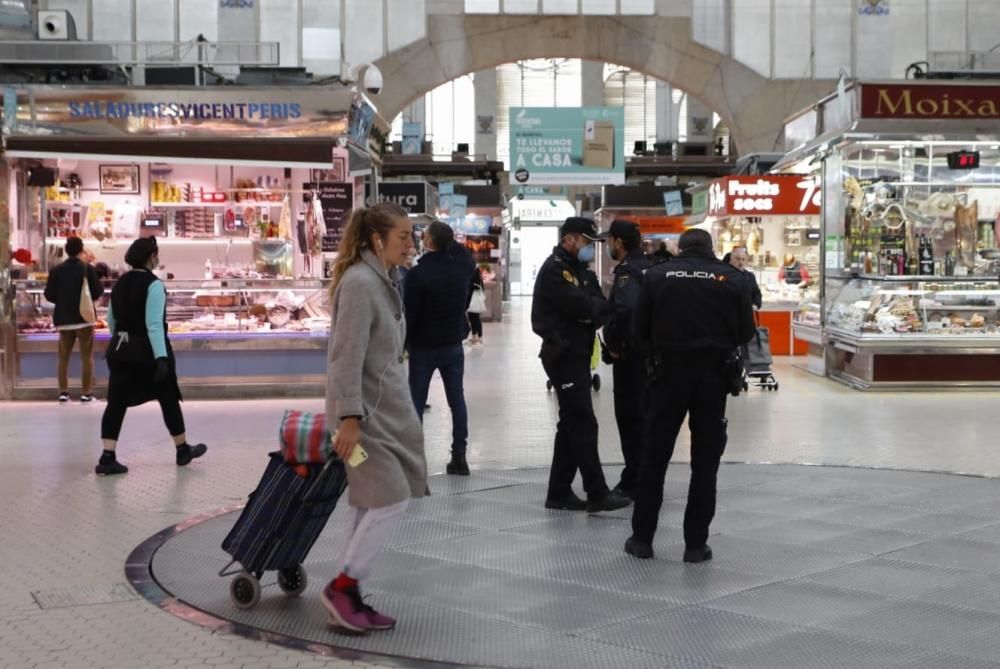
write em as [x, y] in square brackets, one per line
[485, 83]
[667, 120]
[592, 81]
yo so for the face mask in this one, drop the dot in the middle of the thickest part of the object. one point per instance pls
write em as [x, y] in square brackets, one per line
[586, 254]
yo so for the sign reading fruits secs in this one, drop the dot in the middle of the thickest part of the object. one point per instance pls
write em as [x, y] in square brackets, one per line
[770, 195]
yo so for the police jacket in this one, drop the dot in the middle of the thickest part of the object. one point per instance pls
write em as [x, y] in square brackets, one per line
[693, 303]
[624, 297]
[567, 307]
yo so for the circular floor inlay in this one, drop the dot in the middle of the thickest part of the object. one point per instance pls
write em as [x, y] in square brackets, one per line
[814, 567]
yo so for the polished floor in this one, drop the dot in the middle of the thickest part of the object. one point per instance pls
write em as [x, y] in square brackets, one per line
[64, 601]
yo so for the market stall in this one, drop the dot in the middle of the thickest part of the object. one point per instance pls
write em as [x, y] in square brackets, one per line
[776, 217]
[247, 230]
[910, 241]
[478, 223]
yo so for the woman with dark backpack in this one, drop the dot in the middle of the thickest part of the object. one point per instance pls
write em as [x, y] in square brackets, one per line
[140, 360]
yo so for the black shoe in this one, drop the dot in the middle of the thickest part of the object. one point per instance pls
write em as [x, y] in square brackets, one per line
[696, 555]
[110, 467]
[622, 491]
[86, 399]
[638, 549]
[186, 453]
[610, 502]
[568, 503]
[458, 466]
[63, 398]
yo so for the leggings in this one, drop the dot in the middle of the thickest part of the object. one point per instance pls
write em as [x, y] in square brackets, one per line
[476, 322]
[370, 529]
[114, 414]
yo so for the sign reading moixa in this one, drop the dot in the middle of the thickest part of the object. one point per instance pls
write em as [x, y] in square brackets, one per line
[919, 101]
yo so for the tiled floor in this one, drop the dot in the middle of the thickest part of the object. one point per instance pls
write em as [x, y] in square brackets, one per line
[66, 534]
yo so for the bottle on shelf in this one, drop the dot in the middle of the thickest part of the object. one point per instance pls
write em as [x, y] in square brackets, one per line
[208, 269]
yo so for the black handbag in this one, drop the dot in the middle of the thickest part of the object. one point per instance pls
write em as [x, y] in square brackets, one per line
[129, 347]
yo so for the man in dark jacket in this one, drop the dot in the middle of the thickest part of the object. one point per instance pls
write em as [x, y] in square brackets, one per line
[624, 247]
[566, 311]
[64, 289]
[740, 258]
[436, 296]
[693, 313]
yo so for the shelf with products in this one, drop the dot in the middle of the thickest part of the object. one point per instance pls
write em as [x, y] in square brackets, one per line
[241, 307]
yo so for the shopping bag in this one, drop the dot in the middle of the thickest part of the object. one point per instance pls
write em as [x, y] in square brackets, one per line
[305, 438]
[477, 304]
[87, 311]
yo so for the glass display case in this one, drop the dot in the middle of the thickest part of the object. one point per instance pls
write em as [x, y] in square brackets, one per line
[232, 336]
[910, 291]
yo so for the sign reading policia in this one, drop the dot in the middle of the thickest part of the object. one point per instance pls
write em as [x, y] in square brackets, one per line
[567, 145]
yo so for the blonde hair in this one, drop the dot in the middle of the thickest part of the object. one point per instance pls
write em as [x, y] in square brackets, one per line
[360, 234]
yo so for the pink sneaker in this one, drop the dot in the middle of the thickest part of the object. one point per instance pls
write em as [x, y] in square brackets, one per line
[345, 608]
[376, 620]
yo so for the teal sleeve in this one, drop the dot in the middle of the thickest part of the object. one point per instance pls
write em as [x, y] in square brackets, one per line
[156, 303]
[110, 318]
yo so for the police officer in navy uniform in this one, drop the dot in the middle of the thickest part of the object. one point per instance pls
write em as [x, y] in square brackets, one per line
[624, 246]
[567, 308]
[693, 312]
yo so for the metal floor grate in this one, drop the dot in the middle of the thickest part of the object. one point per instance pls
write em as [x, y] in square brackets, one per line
[813, 568]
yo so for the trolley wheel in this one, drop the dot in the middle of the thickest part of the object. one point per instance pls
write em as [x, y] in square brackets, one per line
[245, 591]
[293, 581]
[775, 386]
[596, 382]
[548, 385]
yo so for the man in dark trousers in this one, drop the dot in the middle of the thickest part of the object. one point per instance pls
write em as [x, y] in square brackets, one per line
[64, 289]
[693, 313]
[624, 247]
[567, 308]
[436, 296]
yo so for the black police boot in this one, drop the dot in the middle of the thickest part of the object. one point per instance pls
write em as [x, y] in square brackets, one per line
[186, 453]
[695, 555]
[568, 503]
[610, 502]
[623, 491]
[458, 465]
[638, 548]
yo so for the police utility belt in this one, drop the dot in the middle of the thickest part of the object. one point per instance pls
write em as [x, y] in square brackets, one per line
[732, 369]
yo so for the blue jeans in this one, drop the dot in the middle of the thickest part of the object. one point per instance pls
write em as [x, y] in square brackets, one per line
[450, 362]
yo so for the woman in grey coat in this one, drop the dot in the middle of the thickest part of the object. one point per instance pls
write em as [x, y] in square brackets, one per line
[368, 403]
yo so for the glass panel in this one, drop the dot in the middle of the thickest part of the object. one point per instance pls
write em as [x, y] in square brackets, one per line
[833, 42]
[154, 20]
[112, 20]
[407, 22]
[984, 25]
[279, 22]
[560, 7]
[482, 6]
[708, 23]
[321, 36]
[196, 20]
[752, 34]
[642, 7]
[520, 7]
[598, 7]
[791, 45]
[363, 32]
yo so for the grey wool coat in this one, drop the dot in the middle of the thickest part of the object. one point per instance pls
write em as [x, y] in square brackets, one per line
[366, 376]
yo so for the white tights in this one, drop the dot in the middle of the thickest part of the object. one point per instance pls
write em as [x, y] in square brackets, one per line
[370, 529]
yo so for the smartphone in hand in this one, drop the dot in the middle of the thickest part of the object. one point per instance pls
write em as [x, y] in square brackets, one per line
[358, 456]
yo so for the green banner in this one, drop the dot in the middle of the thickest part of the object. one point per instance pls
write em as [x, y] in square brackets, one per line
[567, 145]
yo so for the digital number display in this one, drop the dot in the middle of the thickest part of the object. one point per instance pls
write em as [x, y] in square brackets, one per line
[963, 160]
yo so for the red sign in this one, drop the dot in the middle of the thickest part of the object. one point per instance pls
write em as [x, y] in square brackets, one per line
[658, 225]
[918, 101]
[768, 195]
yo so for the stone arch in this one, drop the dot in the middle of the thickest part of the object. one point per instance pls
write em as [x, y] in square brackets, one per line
[752, 106]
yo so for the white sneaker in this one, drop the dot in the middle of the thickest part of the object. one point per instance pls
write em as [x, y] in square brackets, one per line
[86, 399]
[63, 398]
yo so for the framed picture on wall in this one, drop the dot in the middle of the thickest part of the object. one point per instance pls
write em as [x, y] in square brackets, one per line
[122, 179]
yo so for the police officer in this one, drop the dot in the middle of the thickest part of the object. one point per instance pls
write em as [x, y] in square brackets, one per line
[567, 308]
[693, 313]
[625, 247]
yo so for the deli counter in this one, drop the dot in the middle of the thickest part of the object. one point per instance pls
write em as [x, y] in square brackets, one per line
[233, 338]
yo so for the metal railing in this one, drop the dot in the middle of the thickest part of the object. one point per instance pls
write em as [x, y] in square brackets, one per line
[150, 54]
[959, 61]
